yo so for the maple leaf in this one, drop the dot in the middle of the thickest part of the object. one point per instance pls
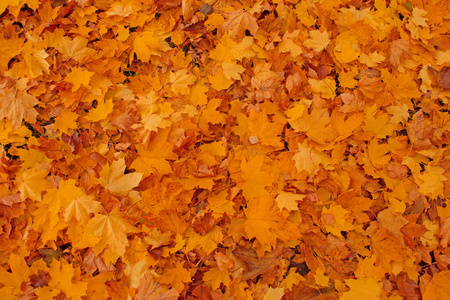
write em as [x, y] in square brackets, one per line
[62, 275]
[309, 159]
[17, 106]
[79, 77]
[256, 128]
[155, 158]
[438, 287]
[11, 281]
[335, 219]
[238, 21]
[146, 44]
[376, 123]
[255, 265]
[176, 277]
[108, 230]
[219, 81]
[260, 220]
[387, 248]
[103, 109]
[366, 288]
[35, 60]
[33, 183]
[254, 180]
[151, 289]
[248, 128]
[214, 277]
[431, 181]
[75, 49]
[114, 180]
[180, 81]
[80, 208]
[135, 271]
[318, 41]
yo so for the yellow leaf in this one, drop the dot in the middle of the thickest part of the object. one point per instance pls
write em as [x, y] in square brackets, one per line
[238, 21]
[114, 180]
[64, 278]
[66, 121]
[254, 179]
[438, 287]
[155, 157]
[80, 208]
[274, 294]
[399, 113]
[347, 53]
[288, 44]
[12, 281]
[207, 242]
[378, 153]
[16, 106]
[79, 77]
[376, 123]
[198, 94]
[363, 289]
[136, 271]
[8, 49]
[326, 87]
[35, 60]
[431, 182]
[103, 109]
[180, 81]
[442, 57]
[109, 230]
[177, 277]
[148, 43]
[309, 159]
[232, 70]
[214, 277]
[335, 220]
[54, 200]
[31, 157]
[318, 41]
[33, 183]
[257, 125]
[347, 80]
[293, 279]
[75, 49]
[211, 114]
[320, 277]
[288, 200]
[219, 81]
[260, 220]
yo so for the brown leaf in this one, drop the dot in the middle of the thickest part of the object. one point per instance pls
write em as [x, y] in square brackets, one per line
[255, 265]
[399, 51]
[416, 132]
[408, 288]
